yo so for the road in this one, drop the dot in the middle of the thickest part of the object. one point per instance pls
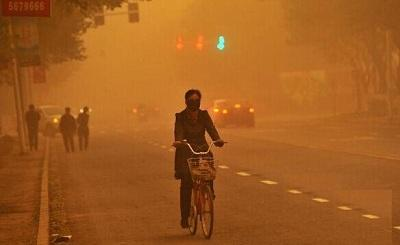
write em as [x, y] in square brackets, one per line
[122, 191]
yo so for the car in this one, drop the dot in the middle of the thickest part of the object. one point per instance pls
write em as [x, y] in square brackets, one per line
[142, 113]
[50, 116]
[232, 113]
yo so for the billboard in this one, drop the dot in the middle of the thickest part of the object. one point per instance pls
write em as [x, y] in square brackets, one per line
[26, 8]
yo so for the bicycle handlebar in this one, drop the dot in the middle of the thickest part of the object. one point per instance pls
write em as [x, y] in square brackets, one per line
[184, 142]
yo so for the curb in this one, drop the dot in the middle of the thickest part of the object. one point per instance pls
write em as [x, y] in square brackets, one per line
[43, 230]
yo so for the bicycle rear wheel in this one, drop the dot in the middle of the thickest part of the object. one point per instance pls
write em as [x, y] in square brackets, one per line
[193, 215]
[207, 211]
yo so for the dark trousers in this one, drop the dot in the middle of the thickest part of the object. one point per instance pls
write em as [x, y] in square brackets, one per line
[68, 142]
[33, 138]
[186, 195]
[83, 135]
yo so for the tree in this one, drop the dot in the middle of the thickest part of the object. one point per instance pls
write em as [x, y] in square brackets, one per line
[351, 32]
[61, 34]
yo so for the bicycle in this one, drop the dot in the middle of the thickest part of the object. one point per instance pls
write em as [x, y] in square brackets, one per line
[202, 170]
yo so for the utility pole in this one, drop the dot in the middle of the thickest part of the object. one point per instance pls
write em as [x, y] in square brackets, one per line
[17, 92]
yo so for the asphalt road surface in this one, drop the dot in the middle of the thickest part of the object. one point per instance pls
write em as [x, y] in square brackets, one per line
[122, 191]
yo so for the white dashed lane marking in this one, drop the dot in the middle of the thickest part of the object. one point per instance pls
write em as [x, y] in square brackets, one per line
[294, 191]
[244, 174]
[269, 182]
[370, 216]
[171, 149]
[396, 227]
[223, 166]
[344, 208]
[164, 147]
[321, 200]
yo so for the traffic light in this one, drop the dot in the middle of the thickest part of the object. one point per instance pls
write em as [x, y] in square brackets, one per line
[179, 43]
[221, 43]
[133, 12]
[99, 18]
[200, 43]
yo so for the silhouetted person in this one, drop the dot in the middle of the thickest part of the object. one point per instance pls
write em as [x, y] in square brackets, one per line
[83, 128]
[191, 124]
[68, 129]
[32, 118]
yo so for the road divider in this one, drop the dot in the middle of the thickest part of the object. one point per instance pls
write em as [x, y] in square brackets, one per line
[43, 229]
[320, 200]
[344, 208]
[370, 216]
[244, 174]
[293, 191]
[269, 182]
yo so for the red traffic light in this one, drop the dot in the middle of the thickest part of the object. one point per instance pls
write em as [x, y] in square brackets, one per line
[200, 43]
[179, 43]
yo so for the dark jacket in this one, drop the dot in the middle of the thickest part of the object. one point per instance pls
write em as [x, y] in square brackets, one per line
[32, 119]
[83, 123]
[67, 124]
[194, 132]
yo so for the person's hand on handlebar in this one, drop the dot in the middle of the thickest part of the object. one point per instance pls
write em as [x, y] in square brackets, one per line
[177, 143]
[219, 143]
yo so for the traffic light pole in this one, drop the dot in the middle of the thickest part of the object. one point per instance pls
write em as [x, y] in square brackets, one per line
[17, 92]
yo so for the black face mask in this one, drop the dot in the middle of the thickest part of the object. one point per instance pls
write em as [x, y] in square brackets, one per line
[193, 105]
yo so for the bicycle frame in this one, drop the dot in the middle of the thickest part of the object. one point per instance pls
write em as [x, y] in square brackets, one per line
[201, 196]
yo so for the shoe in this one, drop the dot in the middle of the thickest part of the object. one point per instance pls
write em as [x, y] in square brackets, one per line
[184, 223]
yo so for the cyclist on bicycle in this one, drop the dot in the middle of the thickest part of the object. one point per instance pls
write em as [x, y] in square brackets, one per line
[191, 125]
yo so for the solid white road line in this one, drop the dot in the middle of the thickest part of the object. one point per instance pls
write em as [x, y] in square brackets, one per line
[269, 182]
[370, 216]
[344, 208]
[321, 200]
[43, 230]
[244, 174]
[293, 191]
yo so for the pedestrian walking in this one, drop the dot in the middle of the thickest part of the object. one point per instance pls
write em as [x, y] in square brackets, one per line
[32, 118]
[83, 129]
[68, 130]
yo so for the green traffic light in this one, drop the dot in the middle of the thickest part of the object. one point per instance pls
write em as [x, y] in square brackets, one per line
[221, 43]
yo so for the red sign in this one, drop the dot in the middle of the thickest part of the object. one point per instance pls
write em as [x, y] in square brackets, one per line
[26, 8]
[39, 74]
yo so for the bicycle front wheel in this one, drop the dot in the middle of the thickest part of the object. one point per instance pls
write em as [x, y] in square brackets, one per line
[193, 214]
[207, 211]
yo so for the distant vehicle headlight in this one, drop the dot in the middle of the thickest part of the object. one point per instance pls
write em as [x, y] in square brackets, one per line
[216, 110]
[251, 110]
[55, 120]
[224, 111]
[81, 110]
[237, 106]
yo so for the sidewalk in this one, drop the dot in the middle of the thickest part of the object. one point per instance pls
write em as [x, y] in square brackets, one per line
[20, 179]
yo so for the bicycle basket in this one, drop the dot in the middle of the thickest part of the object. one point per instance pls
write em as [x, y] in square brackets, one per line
[202, 168]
